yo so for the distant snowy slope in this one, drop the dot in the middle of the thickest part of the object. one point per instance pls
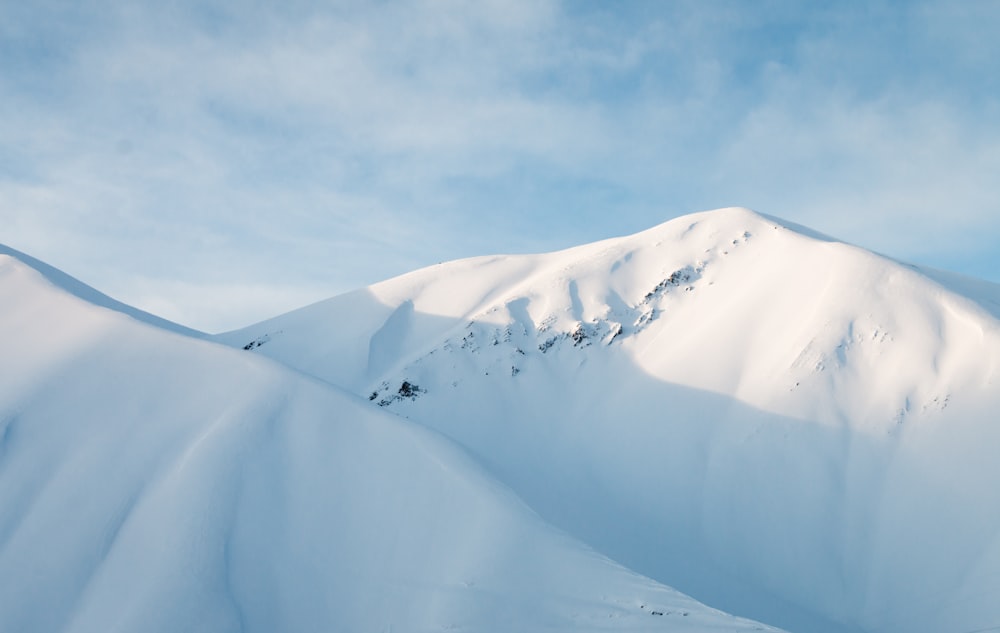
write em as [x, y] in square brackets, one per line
[786, 426]
[155, 482]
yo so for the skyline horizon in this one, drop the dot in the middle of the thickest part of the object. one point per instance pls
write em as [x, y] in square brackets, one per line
[219, 162]
[238, 326]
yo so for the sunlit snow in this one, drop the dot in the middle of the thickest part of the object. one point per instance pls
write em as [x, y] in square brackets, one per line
[783, 426]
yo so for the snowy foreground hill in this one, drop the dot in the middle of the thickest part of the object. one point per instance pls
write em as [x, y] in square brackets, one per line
[784, 426]
[154, 481]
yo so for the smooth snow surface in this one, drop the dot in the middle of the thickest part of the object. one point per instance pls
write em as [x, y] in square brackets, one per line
[150, 481]
[782, 425]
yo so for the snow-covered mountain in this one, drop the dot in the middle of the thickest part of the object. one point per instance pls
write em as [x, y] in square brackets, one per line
[782, 425]
[152, 481]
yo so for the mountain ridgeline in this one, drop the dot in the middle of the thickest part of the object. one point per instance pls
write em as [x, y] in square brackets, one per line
[782, 426]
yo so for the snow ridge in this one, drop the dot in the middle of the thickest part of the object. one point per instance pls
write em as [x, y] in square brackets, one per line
[79, 289]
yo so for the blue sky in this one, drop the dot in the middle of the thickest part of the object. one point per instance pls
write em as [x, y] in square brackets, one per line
[218, 163]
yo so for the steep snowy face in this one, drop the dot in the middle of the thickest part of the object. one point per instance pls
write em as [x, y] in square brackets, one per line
[154, 482]
[785, 426]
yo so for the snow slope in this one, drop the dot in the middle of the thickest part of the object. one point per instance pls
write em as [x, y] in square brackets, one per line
[150, 481]
[90, 295]
[785, 426]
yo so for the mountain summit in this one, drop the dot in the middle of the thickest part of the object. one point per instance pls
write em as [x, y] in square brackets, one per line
[785, 426]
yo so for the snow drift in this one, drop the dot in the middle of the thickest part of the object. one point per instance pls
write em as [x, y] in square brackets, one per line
[785, 426]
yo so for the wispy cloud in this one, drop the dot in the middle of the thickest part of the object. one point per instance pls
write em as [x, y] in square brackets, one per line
[157, 148]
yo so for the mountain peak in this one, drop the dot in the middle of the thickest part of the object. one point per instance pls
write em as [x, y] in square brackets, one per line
[725, 378]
